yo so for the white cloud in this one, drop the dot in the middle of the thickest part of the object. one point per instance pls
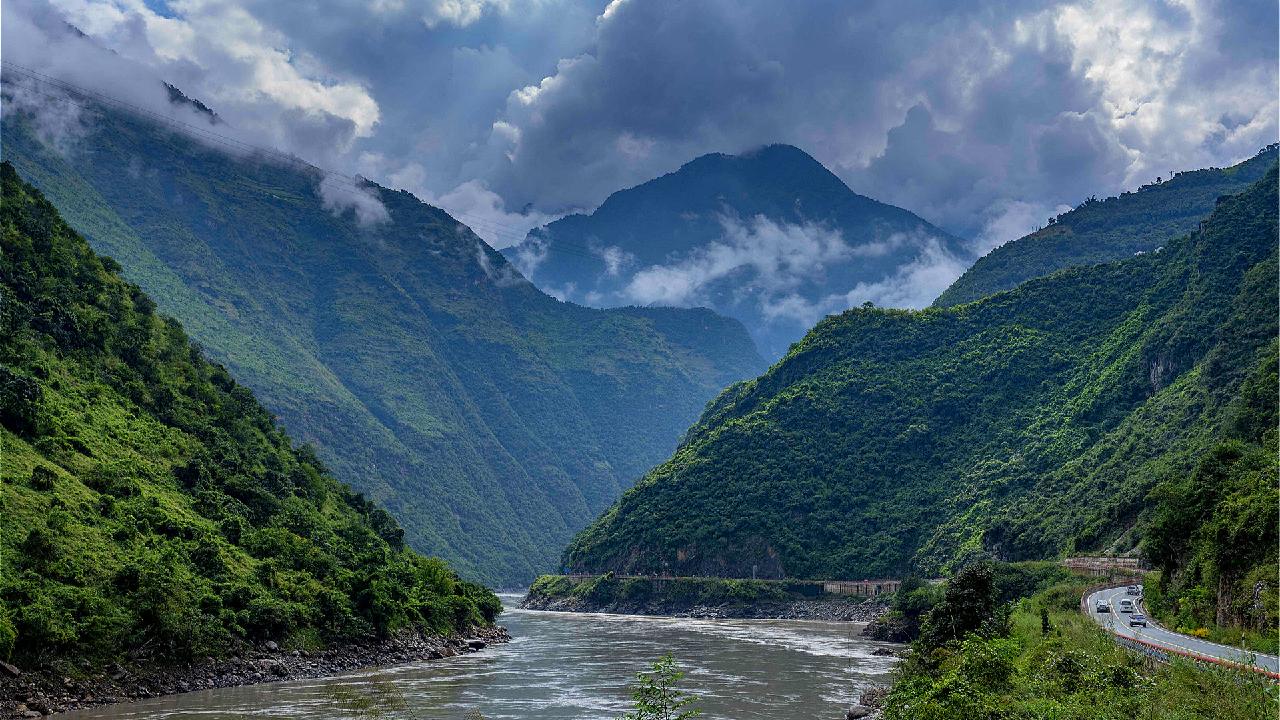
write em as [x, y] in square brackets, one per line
[778, 257]
[340, 195]
[914, 285]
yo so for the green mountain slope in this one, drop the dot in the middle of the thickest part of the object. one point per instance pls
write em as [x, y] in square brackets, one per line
[1024, 425]
[150, 502]
[492, 420]
[1112, 229]
[701, 222]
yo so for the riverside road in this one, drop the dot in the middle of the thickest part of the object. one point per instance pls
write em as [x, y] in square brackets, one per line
[1118, 623]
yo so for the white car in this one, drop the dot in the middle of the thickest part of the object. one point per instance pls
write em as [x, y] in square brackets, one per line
[1104, 606]
[1126, 605]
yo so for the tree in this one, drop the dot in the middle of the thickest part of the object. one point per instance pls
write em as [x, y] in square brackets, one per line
[656, 697]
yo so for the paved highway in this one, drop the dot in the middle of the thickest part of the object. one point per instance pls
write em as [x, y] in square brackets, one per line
[1118, 623]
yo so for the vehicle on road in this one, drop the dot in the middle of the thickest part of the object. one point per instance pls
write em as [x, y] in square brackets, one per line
[1137, 619]
[1126, 605]
[1133, 590]
[1103, 606]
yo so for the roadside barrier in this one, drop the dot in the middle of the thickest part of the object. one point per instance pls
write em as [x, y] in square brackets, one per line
[1163, 653]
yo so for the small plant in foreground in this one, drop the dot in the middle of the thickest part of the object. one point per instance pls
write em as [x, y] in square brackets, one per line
[656, 696]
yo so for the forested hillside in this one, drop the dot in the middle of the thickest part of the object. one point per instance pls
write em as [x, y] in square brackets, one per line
[150, 502]
[492, 420]
[1100, 231]
[770, 237]
[1025, 425]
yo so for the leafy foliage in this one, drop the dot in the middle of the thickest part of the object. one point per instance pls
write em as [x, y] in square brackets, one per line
[151, 503]
[1025, 425]
[656, 696]
[492, 420]
[1034, 655]
[1099, 231]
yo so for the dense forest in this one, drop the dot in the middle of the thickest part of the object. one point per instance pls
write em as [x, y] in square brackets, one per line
[150, 501]
[1098, 231]
[492, 420]
[1078, 412]
[701, 209]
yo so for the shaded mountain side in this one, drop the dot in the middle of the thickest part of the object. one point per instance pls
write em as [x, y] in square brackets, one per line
[151, 506]
[1024, 425]
[491, 419]
[1100, 231]
[771, 236]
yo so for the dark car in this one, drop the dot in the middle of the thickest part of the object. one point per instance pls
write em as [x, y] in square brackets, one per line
[1137, 619]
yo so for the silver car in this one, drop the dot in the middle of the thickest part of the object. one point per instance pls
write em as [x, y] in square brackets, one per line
[1137, 619]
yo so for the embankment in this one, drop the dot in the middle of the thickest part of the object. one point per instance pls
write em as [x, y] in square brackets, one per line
[698, 597]
[34, 693]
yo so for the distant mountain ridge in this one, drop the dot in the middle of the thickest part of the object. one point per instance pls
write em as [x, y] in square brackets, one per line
[1104, 230]
[491, 419]
[770, 237]
[1024, 425]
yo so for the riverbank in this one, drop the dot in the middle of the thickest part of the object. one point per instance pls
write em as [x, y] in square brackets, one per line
[37, 693]
[696, 598]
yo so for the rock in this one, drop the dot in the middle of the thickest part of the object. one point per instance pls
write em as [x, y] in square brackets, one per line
[874, 697]
[883, 652]
[856, 712]
[31, 714]
[476, 644]
[271, 645]
[10, 670]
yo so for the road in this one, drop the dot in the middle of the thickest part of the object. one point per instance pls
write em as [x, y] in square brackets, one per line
[1118, 623]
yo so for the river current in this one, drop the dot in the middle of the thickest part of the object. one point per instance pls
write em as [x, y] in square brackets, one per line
[572, 666]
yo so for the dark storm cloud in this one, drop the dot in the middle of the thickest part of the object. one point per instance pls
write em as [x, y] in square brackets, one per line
[985, 117]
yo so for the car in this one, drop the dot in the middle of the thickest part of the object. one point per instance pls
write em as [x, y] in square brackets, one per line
[1103, 606]
[1133, 590]
[1137, 619]
[1126, 605]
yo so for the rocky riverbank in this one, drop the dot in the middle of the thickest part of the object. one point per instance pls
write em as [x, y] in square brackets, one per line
[833, 609]
[35, 693]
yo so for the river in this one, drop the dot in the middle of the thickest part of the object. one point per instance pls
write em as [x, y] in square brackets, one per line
[570, 666]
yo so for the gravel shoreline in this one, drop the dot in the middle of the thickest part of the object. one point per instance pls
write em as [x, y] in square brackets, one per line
[37, 693]
[836, 610]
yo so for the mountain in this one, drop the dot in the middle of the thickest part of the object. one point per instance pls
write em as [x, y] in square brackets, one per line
[1099, 231]
[769, 237]
[150, 503]
[1023, 425]
[491, 419]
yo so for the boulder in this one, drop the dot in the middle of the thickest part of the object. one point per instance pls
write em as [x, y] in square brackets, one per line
[9, 670]
[271, 645]
[476, 644]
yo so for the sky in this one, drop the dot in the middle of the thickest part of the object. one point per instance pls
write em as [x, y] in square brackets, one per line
[983, 117]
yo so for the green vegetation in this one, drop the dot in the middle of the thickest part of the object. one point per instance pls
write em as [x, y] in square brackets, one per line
[674, 218]
[656, 696]
[1026, 425]
[1213, 535]
[1099, 231]
[492, 420]
[1037, 656]
[609, 590]
[150, 503]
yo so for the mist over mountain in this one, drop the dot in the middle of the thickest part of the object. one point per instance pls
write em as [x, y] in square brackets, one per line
[769, 237]
[492, 420]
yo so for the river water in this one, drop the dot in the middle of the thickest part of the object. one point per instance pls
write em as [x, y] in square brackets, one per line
[571, 666]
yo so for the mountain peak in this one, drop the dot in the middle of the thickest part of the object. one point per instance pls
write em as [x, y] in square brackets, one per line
[769, 236]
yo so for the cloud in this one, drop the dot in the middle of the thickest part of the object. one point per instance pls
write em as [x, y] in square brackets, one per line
[340, 195]
[765, 258]
[958, 111]
[913, 285]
